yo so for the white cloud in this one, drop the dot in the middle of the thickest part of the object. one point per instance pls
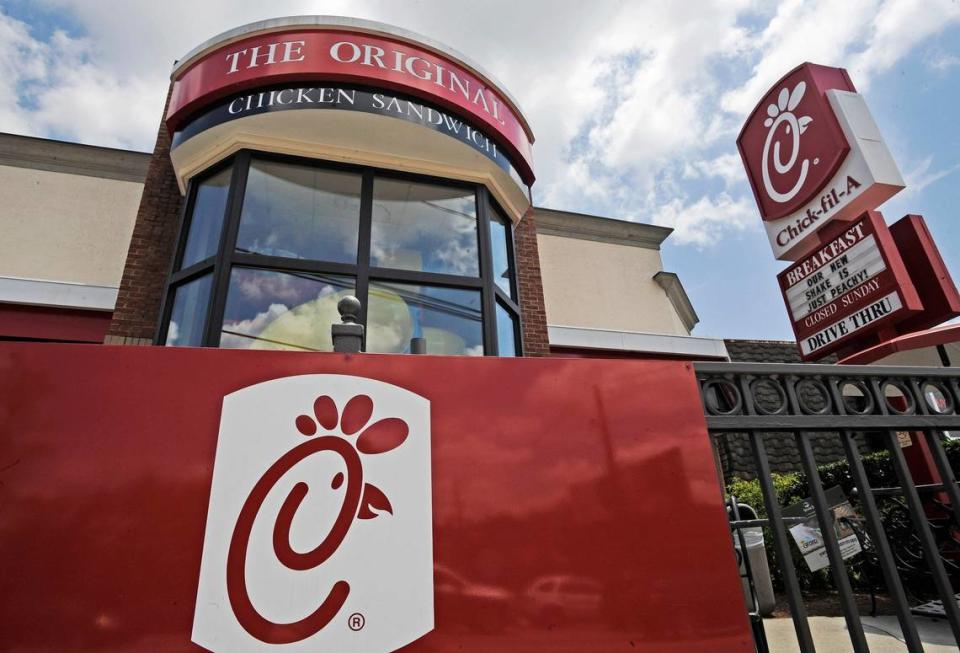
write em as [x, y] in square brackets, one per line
[728, 167]
[921, 176]
[918, 176]
[943, 62]
[54, 88]
[635, 105]
[705, 220]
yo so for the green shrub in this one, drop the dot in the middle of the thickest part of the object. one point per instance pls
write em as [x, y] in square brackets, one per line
[792, 488]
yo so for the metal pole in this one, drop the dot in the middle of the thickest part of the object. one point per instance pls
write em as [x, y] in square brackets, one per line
[887, 563]
[798, 611]
[837, 568]
[929, 544]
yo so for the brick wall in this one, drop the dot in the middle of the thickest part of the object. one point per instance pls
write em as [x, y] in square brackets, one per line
[151, 250]
[534, 315]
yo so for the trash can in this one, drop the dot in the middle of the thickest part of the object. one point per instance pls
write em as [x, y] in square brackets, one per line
[757, 557]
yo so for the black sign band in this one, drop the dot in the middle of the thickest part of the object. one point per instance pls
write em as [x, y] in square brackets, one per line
[346, 98]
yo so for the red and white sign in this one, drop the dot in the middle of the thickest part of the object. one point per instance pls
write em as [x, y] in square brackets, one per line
[852, 285]
[126, 475]
[320, 509]
[281, 57]
[814, 155]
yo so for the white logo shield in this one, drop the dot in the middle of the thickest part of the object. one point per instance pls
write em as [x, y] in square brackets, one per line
[319, 531]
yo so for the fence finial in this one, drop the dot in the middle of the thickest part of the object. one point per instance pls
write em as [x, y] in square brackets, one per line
[348, 336]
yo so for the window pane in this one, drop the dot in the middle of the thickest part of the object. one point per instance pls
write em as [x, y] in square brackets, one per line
[506, 332]
[424, 227]
[300, 212]
[210, 204]
[189, 313]
[500, 245]
[280, 310]
[448, 318]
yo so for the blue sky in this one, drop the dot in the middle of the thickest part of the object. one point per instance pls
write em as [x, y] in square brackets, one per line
[636, 105]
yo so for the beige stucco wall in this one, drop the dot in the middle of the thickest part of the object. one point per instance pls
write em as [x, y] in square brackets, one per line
[65, 227]
[602, 285]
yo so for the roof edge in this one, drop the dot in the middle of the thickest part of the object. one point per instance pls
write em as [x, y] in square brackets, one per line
[554, 222]
[670, 283]
[20, 151]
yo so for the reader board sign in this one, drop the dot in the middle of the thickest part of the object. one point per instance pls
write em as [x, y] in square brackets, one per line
[177, 499]
[854, 284]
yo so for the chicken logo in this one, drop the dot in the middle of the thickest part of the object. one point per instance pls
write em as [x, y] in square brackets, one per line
[781, 115]
[319, 530]
[792, 144]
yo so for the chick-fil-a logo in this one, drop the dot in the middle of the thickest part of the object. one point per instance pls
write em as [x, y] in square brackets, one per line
[792, 144]
[319, 529]
[781, 114]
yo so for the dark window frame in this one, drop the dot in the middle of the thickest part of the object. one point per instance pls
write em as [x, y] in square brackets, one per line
[226, 256]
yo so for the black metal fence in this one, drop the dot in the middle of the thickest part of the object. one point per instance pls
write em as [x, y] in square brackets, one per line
[808, 400]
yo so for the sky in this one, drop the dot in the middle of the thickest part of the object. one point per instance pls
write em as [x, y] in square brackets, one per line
[635, 105]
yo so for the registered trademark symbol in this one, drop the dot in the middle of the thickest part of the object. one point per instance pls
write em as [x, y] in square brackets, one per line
[356, 621]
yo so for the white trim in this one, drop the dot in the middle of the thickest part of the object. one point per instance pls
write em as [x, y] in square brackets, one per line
[352, 24]
[567, 224]
[671, 285]
[63, 294]
[652, 343]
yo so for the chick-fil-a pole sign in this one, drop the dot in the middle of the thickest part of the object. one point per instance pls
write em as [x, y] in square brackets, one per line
[813, 156]
[851, 286]
[282, 57]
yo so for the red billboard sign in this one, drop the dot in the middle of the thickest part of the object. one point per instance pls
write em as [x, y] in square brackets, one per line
[168, 500]
[792, 144]
[813, 155]
[853, 285]
[341, 55]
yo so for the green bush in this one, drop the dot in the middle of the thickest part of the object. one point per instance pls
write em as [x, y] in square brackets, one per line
[792, 488]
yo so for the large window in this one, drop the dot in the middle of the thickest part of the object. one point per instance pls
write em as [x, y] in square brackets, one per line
[270, 244]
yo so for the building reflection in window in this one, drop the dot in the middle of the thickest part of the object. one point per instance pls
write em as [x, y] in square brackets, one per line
[424, 227]
[281, 310]
[506, 332]
[298, 235]
[500, 252]
[447, 318]
[189, 312]
[206, 220]
[300, 212]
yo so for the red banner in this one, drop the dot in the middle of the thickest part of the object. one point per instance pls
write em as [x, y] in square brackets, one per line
[359, 58]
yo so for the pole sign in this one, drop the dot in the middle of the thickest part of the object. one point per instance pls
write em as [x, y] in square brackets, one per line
[814, 155]
[854, 284]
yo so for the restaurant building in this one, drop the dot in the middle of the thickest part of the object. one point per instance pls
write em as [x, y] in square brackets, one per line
[304, 159]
